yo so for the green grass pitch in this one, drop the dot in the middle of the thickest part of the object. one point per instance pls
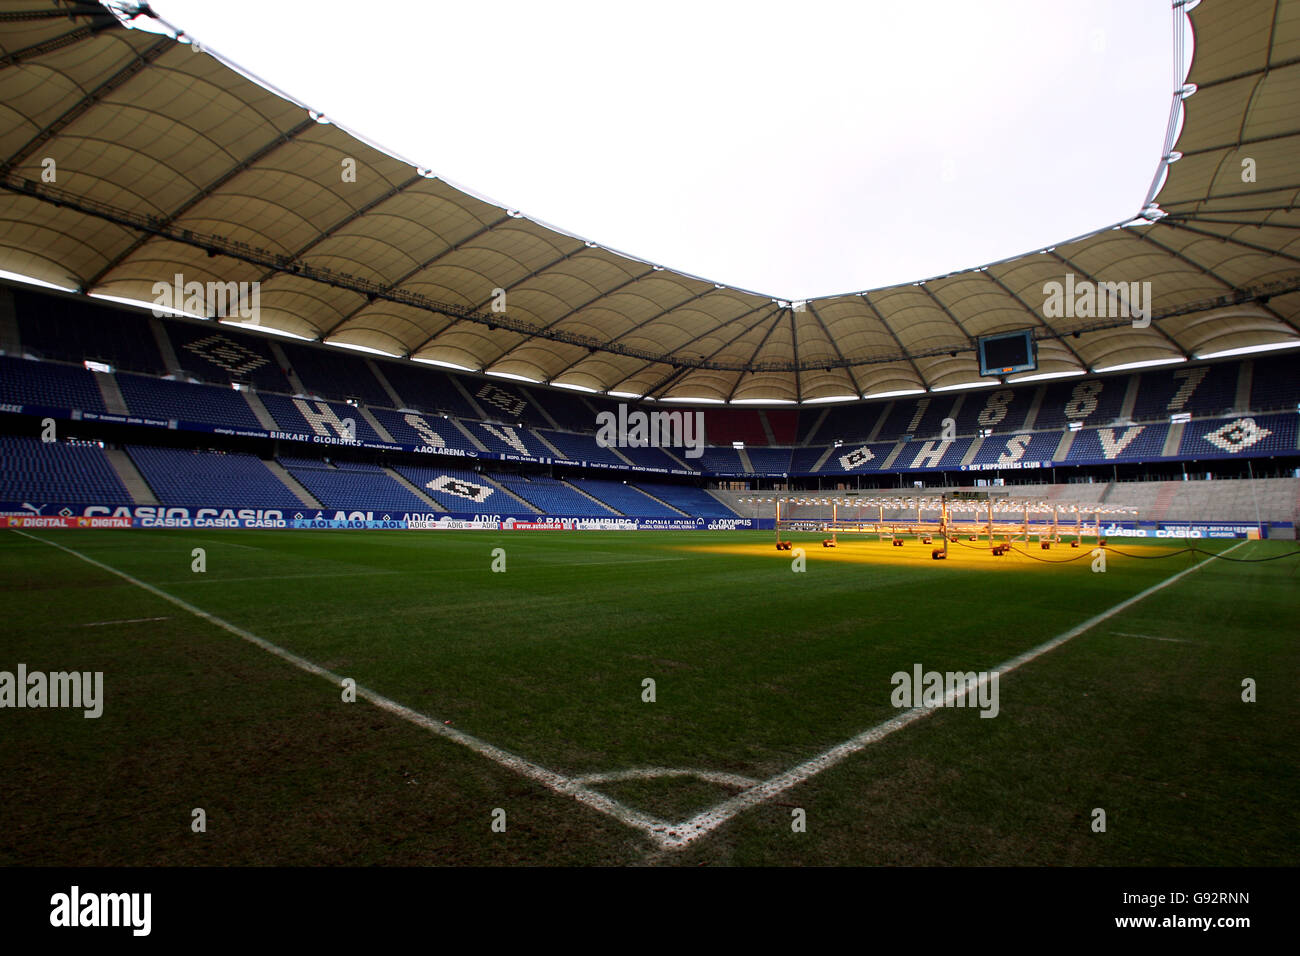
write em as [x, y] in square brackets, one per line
[756, 668]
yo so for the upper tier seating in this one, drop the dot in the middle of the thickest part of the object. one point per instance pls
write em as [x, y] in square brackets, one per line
[209, 404]
[1231, 437]
[426, 389]
[67, 330]
[1275, 384]
[581, 447]
[569, 411]
[217, 353]
[328, 419]
[1093, 401]
[336, 374]
[1196, 389]
[769, 461]
[52, 386]
[412, 428]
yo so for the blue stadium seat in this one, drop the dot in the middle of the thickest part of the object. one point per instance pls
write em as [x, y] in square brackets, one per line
[357, 489]
[693, 501]
[184, 477]
[184, 401]
[460, 491]
[624, 498]
[37, 471]
[25, 382]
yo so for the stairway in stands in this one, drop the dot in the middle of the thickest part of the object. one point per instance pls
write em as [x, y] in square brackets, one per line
[1164, 498]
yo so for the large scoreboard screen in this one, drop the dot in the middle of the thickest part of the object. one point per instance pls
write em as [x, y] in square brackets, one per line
[1008, 352]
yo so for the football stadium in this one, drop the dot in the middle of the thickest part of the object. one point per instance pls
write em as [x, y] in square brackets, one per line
[350, 518]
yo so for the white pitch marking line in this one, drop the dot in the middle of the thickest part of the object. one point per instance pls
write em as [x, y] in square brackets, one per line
[217, 579]
[666, 835]
[1152, 637]
[709, 820]
[653, 827]
[734, 780]
[130, 620]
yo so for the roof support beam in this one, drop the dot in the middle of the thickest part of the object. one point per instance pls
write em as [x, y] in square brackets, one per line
[1038, 318]
[54, 44]
[952, 318]
[776, 320]
[247, 162]
[857, 386]
[1213, 275]
[897, 341]
[1235, 241]
[78, 109]
[658, 315]
[1185, 353]
[401, 280]
[707, 362]
[669, 359]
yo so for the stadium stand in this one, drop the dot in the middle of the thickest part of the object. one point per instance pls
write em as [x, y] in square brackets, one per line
[328, 418]
[570, 412]
[847, 423]
[581, 447]
[412, 428]
[356, 487]
[1196, 389]
[460, 491]
[1131, 443]
[691, 501]
[24, 382]
[503, 404]
[1229, 437]
[222, 356]
[658, 459]
[1274, 383]
[209, 404]
[507, 439]
[804, 460]
[999, 410]
[720, 461]
[784, 423]
[1010, 449]
[722, 426]
[624, 498]
[853, 457]
[1092, 401]
[38, 471]
[554, 497]
[424, 388]
[184, 477]
[920, 417]
[769, 461]
[66, 330]
[336, 375]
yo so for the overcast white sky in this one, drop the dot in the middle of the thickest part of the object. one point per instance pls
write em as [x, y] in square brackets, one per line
[793, 149]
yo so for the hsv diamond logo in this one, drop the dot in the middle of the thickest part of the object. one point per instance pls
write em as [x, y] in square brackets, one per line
[856, 458]
[508, 402]
[1238, 436]
[460, 488]
[227, 354]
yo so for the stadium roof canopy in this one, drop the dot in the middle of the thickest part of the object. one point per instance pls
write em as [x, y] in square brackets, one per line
[128, 156]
